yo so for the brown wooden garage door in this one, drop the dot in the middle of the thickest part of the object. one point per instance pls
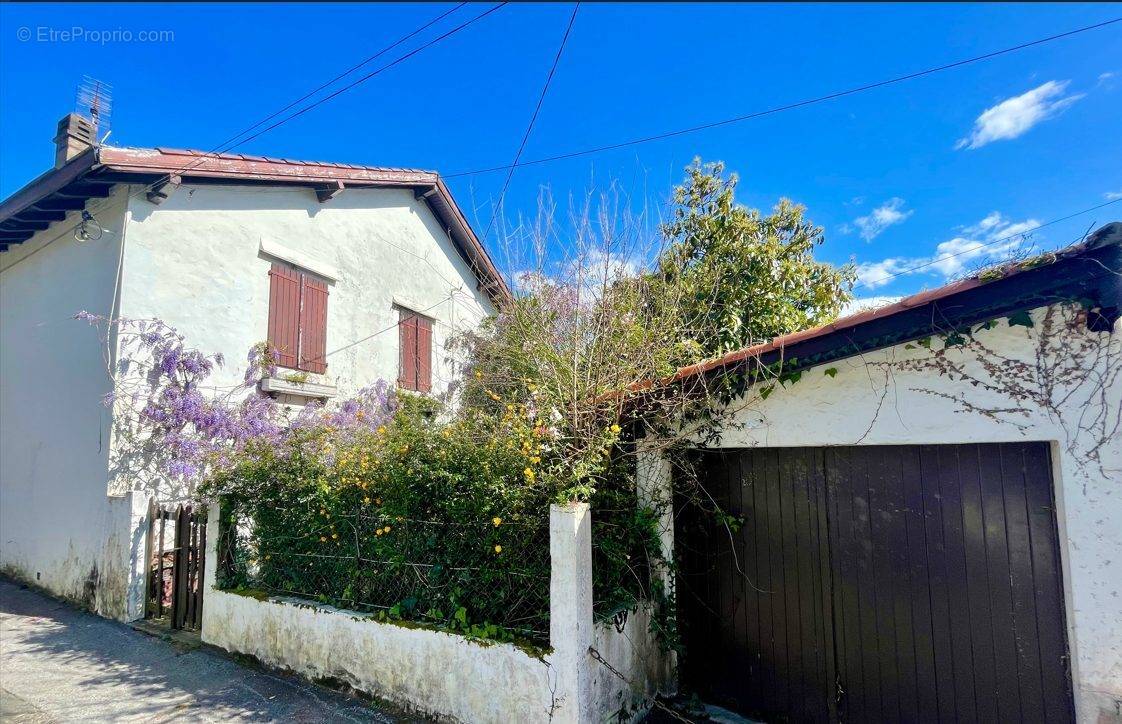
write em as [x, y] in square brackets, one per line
[877, 583]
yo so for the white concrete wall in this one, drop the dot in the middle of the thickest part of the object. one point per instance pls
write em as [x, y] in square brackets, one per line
[645, 669]
[58, 527]
[446, 675]
[195, 262]
[863, 405]
[428, 671]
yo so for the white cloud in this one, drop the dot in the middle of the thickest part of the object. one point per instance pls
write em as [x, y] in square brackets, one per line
[860, 305]
[588, 274]
[603, 266]
[529, 281]
[1112, 195]
[992, 238]
[1015, 116]
[878, 273]
[887, 214]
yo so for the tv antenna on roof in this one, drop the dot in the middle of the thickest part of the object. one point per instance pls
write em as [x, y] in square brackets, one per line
[95, 102]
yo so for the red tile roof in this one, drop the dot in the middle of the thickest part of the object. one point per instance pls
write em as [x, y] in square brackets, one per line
[20, 218]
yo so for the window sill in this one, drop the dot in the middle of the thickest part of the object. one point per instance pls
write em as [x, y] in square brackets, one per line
[279, 386]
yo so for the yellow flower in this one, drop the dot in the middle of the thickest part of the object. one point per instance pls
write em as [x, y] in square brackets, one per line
[498, 549]
[528, 473]
[267, 556]
[614, 428]
[377, 501]
[387, 529]
[535, 459]
[366, 500]
[497, 521]
[323, 539]
[378, 532]
[334, 535]
[382, 430]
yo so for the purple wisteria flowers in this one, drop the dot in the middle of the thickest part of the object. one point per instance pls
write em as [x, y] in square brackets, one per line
[198, 428]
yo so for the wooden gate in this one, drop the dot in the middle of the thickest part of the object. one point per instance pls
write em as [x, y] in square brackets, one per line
[177, 541]
[878, 583]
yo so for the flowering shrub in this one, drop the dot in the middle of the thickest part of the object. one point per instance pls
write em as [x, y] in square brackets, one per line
[417, 519]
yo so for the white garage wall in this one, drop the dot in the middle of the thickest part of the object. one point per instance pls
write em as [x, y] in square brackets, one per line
[867, 405]
[58, 527]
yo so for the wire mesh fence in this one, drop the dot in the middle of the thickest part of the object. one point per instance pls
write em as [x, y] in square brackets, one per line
[488, 579]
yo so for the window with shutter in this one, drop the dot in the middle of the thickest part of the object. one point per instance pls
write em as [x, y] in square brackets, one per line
[298, 319]
[415, 355]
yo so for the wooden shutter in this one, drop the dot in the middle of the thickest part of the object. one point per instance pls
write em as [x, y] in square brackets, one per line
[284, 314]
[313, 325]
[424, 354]
[407, 338]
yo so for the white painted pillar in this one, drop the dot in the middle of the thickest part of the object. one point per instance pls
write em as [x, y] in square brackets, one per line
[653, 481]
[210, 568]
[654, 489]
[135, 505]
[570, 612]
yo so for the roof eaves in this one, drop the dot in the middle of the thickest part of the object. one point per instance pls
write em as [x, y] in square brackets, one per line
[1090, 270]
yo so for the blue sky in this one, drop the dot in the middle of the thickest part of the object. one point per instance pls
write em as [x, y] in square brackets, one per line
[896, 175]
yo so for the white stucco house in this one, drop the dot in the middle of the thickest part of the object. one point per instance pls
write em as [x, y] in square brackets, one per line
[354, 273]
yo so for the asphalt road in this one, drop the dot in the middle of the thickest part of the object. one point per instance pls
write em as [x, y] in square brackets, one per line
[60, 664]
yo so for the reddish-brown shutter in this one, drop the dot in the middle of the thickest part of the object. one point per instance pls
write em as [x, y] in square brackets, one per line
[284, 314]
[407, 338]
[424, 354]
[313, 325]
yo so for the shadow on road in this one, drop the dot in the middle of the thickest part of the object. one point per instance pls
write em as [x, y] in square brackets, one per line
[72, 665]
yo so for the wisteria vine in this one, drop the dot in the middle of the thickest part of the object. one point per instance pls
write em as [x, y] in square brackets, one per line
[183, 428]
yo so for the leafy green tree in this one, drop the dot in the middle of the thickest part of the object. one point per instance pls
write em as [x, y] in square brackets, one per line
[742, 277]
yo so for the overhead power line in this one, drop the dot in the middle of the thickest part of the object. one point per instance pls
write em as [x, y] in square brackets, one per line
[789, 106]
[344, 74]
[533, 119]
[373, 73]
[223, 147]
[342, 90]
